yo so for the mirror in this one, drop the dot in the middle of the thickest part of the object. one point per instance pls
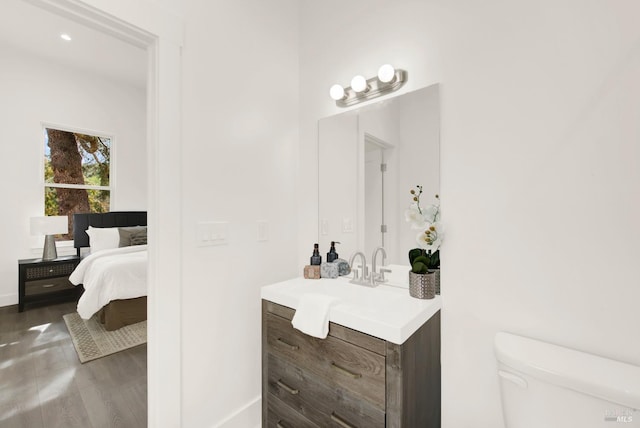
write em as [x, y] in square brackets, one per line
[369, 160]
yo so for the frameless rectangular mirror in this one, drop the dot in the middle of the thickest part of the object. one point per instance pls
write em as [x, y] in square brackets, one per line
[369, 160]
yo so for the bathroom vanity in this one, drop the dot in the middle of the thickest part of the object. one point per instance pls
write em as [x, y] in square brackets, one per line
[379, 366]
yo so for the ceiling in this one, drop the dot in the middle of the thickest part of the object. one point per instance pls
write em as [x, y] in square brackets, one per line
[37, 31]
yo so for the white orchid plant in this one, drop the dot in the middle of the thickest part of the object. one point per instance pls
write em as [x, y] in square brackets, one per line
[429, 239]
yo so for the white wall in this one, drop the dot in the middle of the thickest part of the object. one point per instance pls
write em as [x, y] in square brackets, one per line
[239, 149]
[35, 91]
[540, 175]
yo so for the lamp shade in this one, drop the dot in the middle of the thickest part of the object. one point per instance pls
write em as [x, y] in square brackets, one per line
[49, 225]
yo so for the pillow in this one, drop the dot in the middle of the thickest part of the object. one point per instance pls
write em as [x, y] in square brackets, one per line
[103, 238]
[139, 238]
[126, 233]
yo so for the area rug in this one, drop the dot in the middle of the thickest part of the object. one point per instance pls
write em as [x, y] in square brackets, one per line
[92, 341]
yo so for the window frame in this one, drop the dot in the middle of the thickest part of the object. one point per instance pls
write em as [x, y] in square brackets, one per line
[112, 159]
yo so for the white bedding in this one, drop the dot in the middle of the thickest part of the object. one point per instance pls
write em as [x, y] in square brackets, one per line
[119, 273]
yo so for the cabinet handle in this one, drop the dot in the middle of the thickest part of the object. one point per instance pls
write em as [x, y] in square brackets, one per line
[279, 425]
[345, 371]
[337, 419]
[48, 285]
[288, 345]
[286, 387]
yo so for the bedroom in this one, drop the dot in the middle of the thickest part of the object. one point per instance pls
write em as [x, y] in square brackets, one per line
[40, 89]
[98, 87]
[527, 87]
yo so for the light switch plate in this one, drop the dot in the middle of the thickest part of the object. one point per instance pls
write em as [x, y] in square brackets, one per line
[210, 233]
[324, 226]
[347, 225]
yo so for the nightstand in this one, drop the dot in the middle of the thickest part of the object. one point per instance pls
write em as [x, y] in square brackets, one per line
[46, 280]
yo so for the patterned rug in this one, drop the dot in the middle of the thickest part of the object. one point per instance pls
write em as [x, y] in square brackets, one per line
[92, 341]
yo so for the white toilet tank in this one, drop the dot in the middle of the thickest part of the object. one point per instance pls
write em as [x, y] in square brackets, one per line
[548, 386]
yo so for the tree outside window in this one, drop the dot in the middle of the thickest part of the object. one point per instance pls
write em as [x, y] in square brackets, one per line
[76, 174]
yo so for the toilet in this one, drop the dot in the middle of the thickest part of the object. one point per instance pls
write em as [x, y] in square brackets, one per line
[547, 386]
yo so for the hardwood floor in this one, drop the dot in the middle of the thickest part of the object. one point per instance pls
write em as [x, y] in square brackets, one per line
[43, 384]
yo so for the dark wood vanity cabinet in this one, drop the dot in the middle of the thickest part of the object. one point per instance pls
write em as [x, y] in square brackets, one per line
[349, 379]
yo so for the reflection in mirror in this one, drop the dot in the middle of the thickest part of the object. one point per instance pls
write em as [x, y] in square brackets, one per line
[369, 160]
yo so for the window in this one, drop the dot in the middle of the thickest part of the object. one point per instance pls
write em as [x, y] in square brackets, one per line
[77, 167]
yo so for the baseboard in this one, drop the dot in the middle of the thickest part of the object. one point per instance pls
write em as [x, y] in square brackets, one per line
[250, 415]
[8, 299]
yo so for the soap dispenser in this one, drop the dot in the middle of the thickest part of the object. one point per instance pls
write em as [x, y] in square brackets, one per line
[312, 271]
[332, 255]
[316, 258]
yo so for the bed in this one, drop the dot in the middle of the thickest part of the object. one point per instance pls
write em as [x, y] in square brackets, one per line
[113, 276]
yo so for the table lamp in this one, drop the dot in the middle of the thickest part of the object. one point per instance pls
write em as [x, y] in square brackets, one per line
[49, 226]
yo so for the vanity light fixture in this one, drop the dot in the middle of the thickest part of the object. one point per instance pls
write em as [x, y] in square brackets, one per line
[388, 80]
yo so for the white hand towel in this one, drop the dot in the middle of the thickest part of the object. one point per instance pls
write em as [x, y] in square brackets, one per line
[312, 315]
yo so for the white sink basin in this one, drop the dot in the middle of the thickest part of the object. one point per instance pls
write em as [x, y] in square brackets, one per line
[385, 311]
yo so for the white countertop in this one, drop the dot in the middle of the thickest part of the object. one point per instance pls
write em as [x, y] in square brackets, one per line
[386, 312]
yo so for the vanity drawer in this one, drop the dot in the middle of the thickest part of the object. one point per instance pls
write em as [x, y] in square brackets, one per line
[282, 416]
[362, 340]
[333, 361]
[45, 286]
[325, 405]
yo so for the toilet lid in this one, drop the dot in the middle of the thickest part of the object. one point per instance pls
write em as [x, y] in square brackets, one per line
[599, 377]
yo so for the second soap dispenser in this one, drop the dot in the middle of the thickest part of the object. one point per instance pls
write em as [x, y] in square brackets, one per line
[332, 255]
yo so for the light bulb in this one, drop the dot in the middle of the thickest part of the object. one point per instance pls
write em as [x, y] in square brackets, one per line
[386, 73]
[359, 83]
[336, 92]
[65, 37]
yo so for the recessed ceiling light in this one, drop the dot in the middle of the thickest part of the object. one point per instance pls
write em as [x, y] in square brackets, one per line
[66, 37]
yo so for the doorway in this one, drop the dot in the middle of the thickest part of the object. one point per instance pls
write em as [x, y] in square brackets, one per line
[160, 34]
[376, 153]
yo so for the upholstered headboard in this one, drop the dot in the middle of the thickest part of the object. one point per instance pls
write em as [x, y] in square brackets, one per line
[81, 223]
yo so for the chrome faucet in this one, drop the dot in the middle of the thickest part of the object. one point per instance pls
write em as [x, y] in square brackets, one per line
[365, 270]
[377, 277]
